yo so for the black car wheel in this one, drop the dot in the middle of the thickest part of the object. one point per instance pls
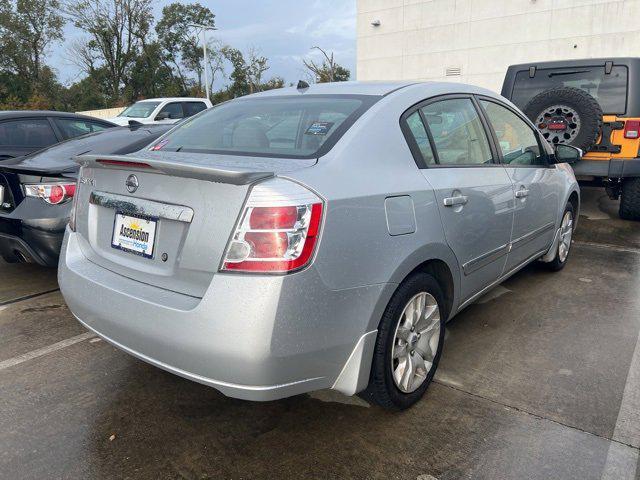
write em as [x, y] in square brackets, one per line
[566, 115]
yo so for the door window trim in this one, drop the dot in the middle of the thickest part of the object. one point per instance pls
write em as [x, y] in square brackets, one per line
[494, 137]
[413, 145]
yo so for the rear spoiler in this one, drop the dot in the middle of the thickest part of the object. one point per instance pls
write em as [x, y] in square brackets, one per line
[221, 173]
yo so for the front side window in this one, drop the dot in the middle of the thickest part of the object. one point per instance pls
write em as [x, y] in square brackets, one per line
[516, 139]
[139, 110]
[71, 127]
[173, 110]
[609, 89]
[286, 127]
[27, 133]
[457, 132]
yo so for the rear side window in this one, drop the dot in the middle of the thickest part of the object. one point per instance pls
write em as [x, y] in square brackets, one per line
[286, 127]
[73, 128]
[610, 90]
[457, 132]
[191, 108]
[419, 134]
[34, 132]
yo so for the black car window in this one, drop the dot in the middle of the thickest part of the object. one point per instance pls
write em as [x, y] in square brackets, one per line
[457, 132]
[28, 132]
[610, 90]
[191, 108]
[516, 139]
[173, 109]
[72, 127]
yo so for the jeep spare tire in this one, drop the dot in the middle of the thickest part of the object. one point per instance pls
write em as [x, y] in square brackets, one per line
[566, 115]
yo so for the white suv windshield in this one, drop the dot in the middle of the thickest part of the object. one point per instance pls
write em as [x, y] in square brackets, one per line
[139, 110]
[286, 127]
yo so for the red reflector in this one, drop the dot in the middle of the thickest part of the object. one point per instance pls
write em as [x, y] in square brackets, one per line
[557, 126]
[273, 218]
[631, 128]
[124, 163]
[70, 189]
[57, 194]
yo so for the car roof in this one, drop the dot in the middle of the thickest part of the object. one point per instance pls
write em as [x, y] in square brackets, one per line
[338, 88]
[180, 99]
[580, 62]
[11, 114]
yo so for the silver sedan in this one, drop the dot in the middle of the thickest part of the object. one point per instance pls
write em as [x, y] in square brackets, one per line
[315, 237]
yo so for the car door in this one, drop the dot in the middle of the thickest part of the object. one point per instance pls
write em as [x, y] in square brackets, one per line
[22, 136]
[473, 191]
[534, 186]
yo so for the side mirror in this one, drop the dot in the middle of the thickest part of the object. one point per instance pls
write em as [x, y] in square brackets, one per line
[163, 116]
[567, 154]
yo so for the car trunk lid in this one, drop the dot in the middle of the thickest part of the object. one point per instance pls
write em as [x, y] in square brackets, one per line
[186, 204]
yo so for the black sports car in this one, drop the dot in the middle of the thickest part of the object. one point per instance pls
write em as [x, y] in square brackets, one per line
[25, 131]
[36, 190]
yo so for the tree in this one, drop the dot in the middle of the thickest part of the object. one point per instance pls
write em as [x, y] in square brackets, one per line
[181, 41]
[26, 31]
[117, 30]
[328, 70]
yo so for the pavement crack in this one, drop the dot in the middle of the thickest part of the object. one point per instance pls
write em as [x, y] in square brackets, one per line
[535, 415]
[27, 297]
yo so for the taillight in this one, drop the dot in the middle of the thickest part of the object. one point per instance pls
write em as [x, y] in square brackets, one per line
[51, 193]
[278, 230]
[631, 128]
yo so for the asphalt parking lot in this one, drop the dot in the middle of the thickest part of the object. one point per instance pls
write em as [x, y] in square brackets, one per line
[540, 380]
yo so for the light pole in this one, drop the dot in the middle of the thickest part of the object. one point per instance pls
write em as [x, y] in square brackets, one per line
[204, 29]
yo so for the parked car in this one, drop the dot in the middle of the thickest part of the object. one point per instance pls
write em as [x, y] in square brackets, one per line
[594, 105]
[36, 191]
[312, 238]
[25, 131]
[161, 110]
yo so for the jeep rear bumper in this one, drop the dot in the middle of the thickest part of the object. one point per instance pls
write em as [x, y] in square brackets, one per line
[614, 169]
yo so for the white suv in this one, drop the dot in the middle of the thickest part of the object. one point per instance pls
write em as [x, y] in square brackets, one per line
[161, 110]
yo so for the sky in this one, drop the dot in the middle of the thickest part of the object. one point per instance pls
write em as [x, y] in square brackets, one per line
[283, 31]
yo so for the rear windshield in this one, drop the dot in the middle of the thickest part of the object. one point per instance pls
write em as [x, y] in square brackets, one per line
[139, 110]
[287, 126]
[610, 90]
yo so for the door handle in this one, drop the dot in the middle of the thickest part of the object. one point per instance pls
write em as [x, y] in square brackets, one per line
[522, 193]
[457, 200]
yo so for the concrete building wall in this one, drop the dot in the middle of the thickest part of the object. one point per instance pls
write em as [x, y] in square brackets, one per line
[473, 41]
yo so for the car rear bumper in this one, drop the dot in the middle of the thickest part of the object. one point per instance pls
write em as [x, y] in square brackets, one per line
[39, 241]
[250, 337]
[615, 168]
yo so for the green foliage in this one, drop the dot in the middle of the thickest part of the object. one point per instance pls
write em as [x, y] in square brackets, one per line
[121, 57]
[179, 40]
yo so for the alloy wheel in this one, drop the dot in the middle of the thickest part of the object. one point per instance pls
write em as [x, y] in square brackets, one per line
[416, 342]
[566, 232]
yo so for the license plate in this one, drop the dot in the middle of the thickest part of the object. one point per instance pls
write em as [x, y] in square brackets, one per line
[134, 234]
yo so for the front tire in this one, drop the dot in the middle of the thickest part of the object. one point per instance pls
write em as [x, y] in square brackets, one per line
[409, 344]
[630, 199]
[564, 242]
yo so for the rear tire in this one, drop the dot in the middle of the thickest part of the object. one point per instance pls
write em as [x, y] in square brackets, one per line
[630, 199]
[419, 351]
[564, 242]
